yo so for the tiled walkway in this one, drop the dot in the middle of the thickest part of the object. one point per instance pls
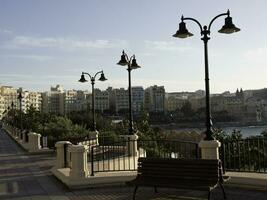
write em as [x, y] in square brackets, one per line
[27, 177]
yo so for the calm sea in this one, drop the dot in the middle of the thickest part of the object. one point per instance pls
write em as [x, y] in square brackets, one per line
[247, 130]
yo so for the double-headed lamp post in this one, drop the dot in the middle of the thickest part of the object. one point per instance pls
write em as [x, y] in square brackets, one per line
[92, 78]
[228, 28]
[131, 64]
[20, 114]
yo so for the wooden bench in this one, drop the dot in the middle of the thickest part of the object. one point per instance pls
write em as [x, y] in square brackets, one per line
[193, 174]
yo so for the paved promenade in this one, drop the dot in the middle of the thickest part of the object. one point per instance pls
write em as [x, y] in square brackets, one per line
[27, 177]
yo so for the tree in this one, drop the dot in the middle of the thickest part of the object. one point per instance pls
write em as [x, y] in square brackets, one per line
[187, 110]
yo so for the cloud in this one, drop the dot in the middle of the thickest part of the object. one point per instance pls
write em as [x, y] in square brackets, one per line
[30, 57]
[62, 43]
[256, 56]
[6, 31]
[166, 46]
[15, 76]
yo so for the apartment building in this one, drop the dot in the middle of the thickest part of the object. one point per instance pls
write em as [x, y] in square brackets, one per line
[155, 98]
[53, 101]
[138, 97]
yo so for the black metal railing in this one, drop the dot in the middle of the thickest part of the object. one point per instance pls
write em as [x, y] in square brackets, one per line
[122, 155]
[246, 155]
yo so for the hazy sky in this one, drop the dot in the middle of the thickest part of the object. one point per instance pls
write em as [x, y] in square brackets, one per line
[44, 43]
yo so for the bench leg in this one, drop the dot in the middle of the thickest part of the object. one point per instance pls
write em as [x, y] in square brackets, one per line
[209, 195]
[155, 189]
[224, 195]
[135, 190]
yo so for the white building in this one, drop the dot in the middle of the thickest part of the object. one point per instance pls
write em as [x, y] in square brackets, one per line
[101, 100]
[53, 101]
[121, 99]
[33, 99]
[155, 98]
[2, 106]
[138, 95]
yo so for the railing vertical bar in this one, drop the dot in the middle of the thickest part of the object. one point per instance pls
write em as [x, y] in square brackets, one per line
[113, 158]
[129, 150]
[239, 161]
[249, 166]
[244, 154]
[259, 154]
[104, 157]
[109, 157]
[264, 163]
[124, 154]
[229, 155]
[134, 156]
[92, 161]
[118, 158]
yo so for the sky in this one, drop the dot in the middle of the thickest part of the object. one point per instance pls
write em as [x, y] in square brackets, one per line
[45, 43]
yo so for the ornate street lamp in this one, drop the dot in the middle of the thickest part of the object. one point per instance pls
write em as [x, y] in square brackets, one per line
[131, 64]
[92, 78]
[20, 108]
[228, 28]
[13, 113]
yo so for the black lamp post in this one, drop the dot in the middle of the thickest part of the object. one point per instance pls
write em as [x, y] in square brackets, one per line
[13, 112]
[92, 78]
[131, 63]
[20, 114]
[228, 28]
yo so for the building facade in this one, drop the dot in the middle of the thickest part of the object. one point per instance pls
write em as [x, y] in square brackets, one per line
[155, 99]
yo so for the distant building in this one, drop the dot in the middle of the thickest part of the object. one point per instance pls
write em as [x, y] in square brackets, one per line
[155, 98]
[174, 103]
[9, 94]
[2, 106]
[138, 95]
[53, 101]
[101, 100]
[121, 99]
[31, 99]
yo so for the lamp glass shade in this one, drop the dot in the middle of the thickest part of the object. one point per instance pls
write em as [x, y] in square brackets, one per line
[102, 77]
[229, 27]
[123, 60]
[134, 64]
[182, 32]
[82, 79]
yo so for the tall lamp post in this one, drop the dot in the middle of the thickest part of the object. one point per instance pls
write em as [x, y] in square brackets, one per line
[92, 78]
[13, 113]
[20, 114]
[131, 64]
[228, 28]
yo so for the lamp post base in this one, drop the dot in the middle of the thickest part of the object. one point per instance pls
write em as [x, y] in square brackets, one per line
[209, 149]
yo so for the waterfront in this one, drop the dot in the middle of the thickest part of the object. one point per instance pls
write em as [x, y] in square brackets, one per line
[246, 131]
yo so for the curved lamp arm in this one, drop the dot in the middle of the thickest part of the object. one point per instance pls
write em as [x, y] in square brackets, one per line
[223, 14]
[98, 73]
[131, 58]
[194, 20]
[87, 74]
[126, 56]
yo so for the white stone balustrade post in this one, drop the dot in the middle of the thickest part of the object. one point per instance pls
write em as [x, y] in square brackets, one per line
[60, 161]
[94, 135]
[79, 168]
[34, 142]
[131, 144]
[209, 149]
[24, 136]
